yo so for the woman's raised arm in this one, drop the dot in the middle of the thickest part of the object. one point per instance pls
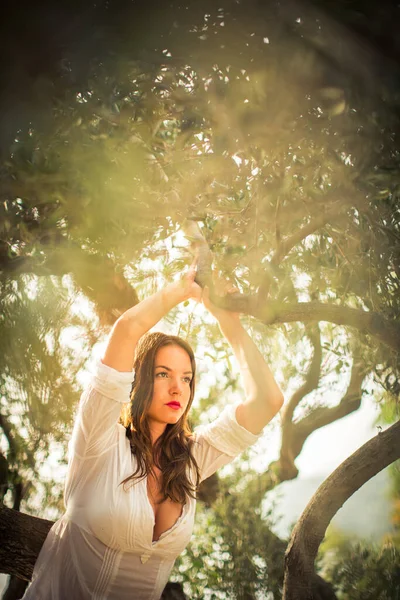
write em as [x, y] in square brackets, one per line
[264, 398]
[136, 321]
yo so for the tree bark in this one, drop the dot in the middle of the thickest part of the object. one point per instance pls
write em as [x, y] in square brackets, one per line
[287, 468]
[96, 275]
[22, 537]
[385, 330]
[15, 589]
[365, 463]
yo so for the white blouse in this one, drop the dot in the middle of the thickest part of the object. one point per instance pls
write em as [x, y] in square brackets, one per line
[102, 548]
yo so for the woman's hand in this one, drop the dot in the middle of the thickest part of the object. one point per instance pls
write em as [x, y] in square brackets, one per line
[223, 316]
[186, 287]
[191, 289]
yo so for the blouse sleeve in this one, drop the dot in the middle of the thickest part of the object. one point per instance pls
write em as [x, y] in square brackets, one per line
[219, 442]
[95, 428]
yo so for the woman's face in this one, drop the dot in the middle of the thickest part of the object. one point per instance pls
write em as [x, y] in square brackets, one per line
[171, 393]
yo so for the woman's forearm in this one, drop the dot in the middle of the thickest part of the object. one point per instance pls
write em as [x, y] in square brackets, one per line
[263, 395]
[137, 321]
[143, 316]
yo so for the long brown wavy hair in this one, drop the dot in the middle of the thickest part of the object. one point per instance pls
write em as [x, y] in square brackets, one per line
[172, 452]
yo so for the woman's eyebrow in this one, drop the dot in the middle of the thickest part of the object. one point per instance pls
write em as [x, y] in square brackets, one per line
[168, 369]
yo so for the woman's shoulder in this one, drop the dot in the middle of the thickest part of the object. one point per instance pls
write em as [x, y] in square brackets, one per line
[111, 383]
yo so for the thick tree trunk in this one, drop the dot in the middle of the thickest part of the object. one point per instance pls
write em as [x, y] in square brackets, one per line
[309, 531]
[173, 591]
[15, 588]
[22, 537]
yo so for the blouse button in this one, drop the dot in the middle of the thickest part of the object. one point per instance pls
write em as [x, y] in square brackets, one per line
[144, 558]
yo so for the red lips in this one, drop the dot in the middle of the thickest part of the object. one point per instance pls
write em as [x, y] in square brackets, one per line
[174, 405]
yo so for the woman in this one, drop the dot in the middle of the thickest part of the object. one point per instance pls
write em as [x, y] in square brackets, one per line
[130, 490]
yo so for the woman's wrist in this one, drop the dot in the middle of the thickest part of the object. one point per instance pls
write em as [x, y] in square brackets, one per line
[229, 324]
[173, 293]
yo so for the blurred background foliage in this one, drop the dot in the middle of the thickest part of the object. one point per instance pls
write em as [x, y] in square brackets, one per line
[275, 127]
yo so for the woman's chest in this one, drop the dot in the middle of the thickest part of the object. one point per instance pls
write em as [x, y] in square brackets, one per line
[131, 517]
[166, 512]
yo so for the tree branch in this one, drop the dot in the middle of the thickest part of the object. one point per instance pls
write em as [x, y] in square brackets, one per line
[324, 415]
[94, 274]
[312, 379]
[360, 467]
[287, 244]
[15, 442]
[313, 225]
[22, 537]
[287, 468]
[368, 322]
[385, 330]
[295, 434]
[373, 323]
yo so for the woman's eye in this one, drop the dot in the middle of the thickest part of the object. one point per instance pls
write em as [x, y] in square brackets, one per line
[164, 375]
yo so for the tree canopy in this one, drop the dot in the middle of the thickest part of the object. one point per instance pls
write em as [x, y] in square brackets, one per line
[271, 126]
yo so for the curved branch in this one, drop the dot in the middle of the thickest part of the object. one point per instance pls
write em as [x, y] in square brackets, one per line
[384, 330]
[312, 379]
[288, 243]
[295, 435]
[360, 467]
[324, 415]
[368, 322]
[288, 469]
[94, 274]
[312, 226]
[15, 443]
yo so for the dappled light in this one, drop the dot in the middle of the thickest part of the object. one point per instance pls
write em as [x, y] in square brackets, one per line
[265, 134]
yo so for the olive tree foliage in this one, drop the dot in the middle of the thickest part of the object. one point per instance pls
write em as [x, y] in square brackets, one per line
[366, 571]
[233, 552]
[38, 386]
[257, 124]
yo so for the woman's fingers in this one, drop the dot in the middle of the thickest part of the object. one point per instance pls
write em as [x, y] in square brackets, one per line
[231, 289]
[194, 265]
[195, 290]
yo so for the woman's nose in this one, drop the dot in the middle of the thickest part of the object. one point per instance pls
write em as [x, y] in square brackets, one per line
[176, 387]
